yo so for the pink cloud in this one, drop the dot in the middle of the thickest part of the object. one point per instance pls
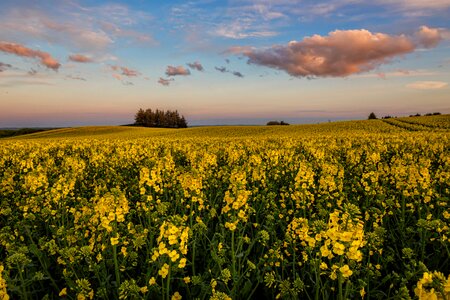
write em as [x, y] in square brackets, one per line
[174, 71]
[126, 71]
[165, 82]
[428, 37]
[117, 76]
[80, 58]
[341, 53]
[427, 85]
[45, 58]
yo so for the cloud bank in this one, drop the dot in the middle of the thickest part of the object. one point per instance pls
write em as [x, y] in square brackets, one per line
[44, 58]
[175, 71]
[340, 54]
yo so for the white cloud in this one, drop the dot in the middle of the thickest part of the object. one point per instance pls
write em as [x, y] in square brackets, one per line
[427, 85]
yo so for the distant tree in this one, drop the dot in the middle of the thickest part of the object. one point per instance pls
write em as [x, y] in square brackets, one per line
[273, 123]
[372, 116]
[140, 117]
[159, 118]
[436, 113]
[387, 117]
[276, 123]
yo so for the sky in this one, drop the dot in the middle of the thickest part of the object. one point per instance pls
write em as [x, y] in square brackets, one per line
[76, 62]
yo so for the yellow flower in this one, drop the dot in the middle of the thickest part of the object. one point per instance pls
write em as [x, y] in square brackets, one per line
[176, 296]
[447, 285]
[427, 278]
[114, 241]
[182, 263]
[362, 292]
[174, 255]
[187, 279]
[345, 271]
[230, 226]
[213, 284]
[324, 251]
[124, 251]
[155, 255]
[152, 281]
[338, 248]
[164, 271]
[63, 292]
[143, 289]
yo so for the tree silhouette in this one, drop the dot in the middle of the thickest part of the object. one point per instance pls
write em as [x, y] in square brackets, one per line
[159, 118]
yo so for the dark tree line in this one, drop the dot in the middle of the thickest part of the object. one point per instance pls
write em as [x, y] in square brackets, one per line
[277, 123]
[373, 116]
[159, 118]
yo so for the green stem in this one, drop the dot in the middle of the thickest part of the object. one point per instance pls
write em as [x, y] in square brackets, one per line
[317, 285]
[116, 266]
[43, 264]
[233, 260]
[346, 289]
[22, 283]
[193, 258]
[168, 286]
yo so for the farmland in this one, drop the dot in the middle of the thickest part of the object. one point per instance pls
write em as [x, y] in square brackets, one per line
[330, 211]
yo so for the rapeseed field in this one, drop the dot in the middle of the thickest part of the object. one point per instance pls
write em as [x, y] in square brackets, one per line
[345, 210]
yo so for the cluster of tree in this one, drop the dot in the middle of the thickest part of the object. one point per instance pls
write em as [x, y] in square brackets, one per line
[159, 118]
[372, 115]
[277, 123]
[427, 114]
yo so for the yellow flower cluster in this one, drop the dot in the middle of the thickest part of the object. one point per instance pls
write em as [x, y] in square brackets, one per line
[110, 208]
[236, 201]
[343, 238]
[433, 286]
[172, 242]
[3, 292]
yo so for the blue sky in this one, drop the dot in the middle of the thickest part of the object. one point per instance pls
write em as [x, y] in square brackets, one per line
[72, 62]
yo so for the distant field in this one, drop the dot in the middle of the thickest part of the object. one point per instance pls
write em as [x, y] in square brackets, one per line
[431, 123]
[17, 132]
[341, 210]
